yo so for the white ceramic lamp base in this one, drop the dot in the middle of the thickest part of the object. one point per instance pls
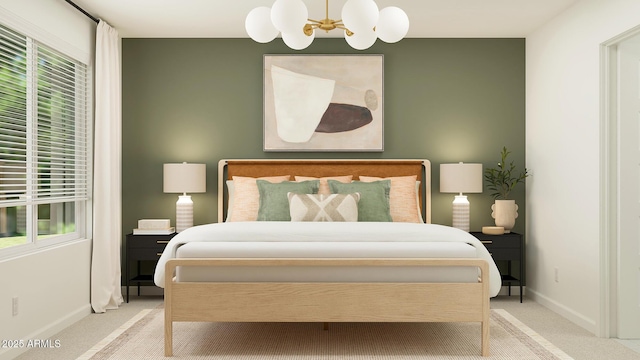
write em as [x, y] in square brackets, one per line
[461, 213]
[184, 213]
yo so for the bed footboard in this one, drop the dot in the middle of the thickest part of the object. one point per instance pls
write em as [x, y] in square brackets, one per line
[326, 301]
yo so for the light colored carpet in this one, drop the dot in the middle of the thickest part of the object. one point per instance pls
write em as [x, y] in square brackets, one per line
[142, 338]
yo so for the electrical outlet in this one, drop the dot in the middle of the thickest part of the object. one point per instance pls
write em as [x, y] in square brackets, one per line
[14, 306]
[555, 275]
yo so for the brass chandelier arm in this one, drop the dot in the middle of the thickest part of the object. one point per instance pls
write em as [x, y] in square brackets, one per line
[326, 25]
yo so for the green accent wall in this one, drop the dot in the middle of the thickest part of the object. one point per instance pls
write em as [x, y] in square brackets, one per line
[200, 100]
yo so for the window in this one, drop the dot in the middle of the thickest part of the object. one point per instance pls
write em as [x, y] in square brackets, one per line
[43, 144]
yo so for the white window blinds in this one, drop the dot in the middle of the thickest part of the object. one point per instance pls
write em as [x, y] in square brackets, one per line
[43, 117]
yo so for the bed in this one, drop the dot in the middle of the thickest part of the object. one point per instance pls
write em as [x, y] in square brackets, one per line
[403, 270]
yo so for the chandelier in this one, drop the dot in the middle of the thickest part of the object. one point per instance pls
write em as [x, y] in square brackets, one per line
[362, 23]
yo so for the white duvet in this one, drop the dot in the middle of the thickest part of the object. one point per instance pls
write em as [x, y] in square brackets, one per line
[273, 231]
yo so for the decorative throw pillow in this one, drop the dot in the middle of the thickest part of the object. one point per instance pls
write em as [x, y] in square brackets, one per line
[247, 198]
[324, 186]
[230, 199]
[323, 207]
[403, 199]
[374, 198]
[274, 203]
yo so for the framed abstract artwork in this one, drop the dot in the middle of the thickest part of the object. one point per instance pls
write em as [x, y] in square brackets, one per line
[323, 103]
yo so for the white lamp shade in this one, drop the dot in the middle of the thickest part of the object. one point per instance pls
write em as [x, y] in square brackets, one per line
[362, 39]
[461, 178]
[259, 26]
[184, 178]
[289, 15]
[298, 40]
[359, 15]
[393, 24]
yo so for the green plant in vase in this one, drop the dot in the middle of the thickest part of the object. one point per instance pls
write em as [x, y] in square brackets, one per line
[501, 181]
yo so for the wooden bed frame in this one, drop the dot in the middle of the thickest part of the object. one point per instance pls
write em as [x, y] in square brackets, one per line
[326, 301]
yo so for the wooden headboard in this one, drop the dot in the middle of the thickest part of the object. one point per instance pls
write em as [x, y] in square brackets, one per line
[320, 168]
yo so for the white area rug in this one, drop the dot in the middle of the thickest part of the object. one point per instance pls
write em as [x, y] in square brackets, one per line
[142, 338]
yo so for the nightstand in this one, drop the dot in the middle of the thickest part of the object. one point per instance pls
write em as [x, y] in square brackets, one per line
[141, 248]
[508, 247]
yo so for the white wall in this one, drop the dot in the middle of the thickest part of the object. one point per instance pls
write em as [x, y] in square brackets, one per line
[52, 287]
[52, 284]
[563, 152]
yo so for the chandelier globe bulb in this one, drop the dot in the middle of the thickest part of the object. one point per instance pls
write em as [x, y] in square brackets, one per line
[360, 15]
[289, 15]
[297, 40]
[259, 26]
[361, 40]
[393, 24]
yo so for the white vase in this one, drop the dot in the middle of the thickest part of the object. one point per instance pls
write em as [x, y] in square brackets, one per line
[505, 213]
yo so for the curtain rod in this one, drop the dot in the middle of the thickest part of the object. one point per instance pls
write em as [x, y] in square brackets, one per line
[82, 11]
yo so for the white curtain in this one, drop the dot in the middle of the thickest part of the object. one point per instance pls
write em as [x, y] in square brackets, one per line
[106, 292]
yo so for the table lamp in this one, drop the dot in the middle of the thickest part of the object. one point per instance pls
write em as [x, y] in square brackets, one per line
[461, 178]
[184, 178]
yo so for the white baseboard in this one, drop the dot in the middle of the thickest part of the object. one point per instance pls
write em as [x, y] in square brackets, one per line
[562, 310]
[49, 331]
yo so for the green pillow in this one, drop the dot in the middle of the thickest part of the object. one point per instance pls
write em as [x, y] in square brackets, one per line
[374, 198]
[274, 203]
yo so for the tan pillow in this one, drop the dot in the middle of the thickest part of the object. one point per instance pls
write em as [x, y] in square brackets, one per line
[402, 198]
[324, 186]
[247, 198]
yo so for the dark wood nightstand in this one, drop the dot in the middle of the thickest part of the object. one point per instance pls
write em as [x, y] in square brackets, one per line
[508, 247]
[143, 248]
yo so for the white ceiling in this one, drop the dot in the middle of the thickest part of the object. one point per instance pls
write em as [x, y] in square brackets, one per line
[225, 19]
